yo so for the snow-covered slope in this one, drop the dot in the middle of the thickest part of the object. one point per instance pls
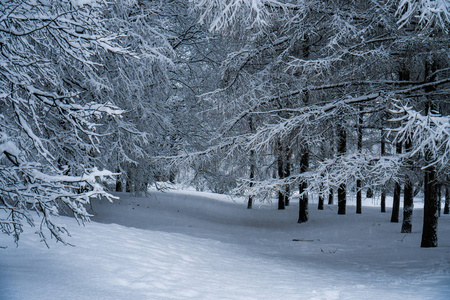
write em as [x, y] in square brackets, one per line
[181, 245]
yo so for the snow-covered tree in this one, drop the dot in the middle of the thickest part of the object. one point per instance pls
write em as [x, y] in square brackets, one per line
[141, 86]
[50, 125]
[326, 64]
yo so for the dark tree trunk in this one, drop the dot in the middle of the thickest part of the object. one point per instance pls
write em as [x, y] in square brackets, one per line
[397, 191]
[369, 193]
[303, 201]
[330, 196]
[118, 182]
[359, 181]
[408, 206]
[342, 193]
[128, 183]
[430, 210]
[439, 196]
[252, 177]
[396, 203]
[281, 198]
[287, 173]
[172, 176]
[447, 201]
[408, 199]
[320, 203]
[358, 196]
[252, 167]
[284, 171]
[342, 199]
[383, 191]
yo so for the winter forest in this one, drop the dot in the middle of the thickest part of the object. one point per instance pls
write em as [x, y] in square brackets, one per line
[322, 110]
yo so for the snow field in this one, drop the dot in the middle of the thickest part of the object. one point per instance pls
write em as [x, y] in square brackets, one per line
[180, 245]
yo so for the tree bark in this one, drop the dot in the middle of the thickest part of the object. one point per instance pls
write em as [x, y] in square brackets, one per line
[303, 201]
[447, 201]
[287, 173]
[118, 182]
[252, 167]
[359, 181]
[128, 183]
[330, 196]
[320, 203]
[281, 199]
[342, 193]
[252, 177]
[397, 191]
[430, 210]
[383, 152]
[408, 199]
[439, 196]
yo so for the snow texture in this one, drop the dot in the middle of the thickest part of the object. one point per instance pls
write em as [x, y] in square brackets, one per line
[190, 245]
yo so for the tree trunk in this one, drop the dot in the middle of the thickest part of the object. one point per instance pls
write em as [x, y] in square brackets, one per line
[128, 183]
[383, 191]
[330, 196]
[252, 177]
[172, 176]
[430, 210]
[359, 181]
[408, 199]
[252, 167]
[447, 201]
[303, 201]
[342, 193]
[439, 196]
[383, 201]
[287, 173]
[358, 196]
[397, 191]
[320, 203]
[118, 182]
[281, 199]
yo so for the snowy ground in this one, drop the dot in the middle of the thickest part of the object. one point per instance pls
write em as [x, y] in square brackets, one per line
[186, 245]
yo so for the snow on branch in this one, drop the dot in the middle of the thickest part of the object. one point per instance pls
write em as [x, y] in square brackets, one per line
[50, 126]
[330, 173]
[223, 15]
[428, 13]
[428, 133]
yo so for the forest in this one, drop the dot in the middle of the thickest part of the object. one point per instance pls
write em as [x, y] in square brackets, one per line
[263, 99]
